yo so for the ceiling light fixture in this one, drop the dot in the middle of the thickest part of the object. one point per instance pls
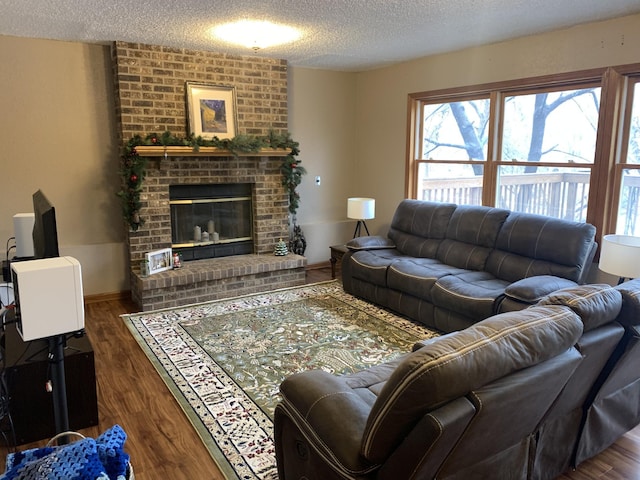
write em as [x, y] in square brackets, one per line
[256, 34]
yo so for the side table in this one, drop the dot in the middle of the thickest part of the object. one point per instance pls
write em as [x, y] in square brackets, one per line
[337, 251]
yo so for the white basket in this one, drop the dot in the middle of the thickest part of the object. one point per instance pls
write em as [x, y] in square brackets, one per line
[54, 441]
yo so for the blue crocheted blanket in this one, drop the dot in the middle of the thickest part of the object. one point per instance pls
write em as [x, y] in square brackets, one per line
[102, 458]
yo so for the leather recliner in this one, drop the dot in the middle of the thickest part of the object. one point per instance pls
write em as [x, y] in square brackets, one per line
[465, 405]
[515, 426]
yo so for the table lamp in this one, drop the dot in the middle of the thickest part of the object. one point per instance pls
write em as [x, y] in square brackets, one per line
[620, 256]
[361, 209]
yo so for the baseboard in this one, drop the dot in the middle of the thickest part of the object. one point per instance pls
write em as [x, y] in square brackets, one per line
[318, 266]
[106, 297]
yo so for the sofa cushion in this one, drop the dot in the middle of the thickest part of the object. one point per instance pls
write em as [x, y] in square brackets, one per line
[456, 364]
[371, 265]
[471, 236]
[530, 245]
[472, 294]
[418, 227]
[416, 276]
[595, 304]
[368, 383]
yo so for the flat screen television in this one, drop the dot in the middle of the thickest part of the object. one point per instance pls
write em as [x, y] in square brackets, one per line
[45, 232]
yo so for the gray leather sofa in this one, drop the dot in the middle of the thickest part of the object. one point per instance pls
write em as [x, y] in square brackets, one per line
[520, 395]
[451, 266]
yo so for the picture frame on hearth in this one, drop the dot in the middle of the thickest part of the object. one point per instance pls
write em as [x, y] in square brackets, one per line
[211, 110]
[159, 260]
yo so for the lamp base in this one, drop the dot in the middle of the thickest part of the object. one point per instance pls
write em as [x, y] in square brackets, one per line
[359, 225]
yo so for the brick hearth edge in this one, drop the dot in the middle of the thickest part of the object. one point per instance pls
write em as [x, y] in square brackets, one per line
[212, 279]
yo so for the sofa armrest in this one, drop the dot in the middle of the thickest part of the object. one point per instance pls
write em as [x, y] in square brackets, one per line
[428, 341]
[437, 433]
[373, 242]
[630, 313]
[531, 289]
[330, 414]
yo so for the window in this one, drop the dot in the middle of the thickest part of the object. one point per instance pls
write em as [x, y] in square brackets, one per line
[628, 170]
[550, 139]
[547, 146]
[454, 145]
[543, 146]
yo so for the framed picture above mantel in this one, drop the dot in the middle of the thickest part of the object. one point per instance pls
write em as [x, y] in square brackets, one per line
[211, 110]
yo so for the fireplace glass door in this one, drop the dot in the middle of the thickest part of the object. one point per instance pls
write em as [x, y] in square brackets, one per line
[211, 220]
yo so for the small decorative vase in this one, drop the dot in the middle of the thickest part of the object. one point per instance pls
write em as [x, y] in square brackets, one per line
[144, 268]
[281, 249]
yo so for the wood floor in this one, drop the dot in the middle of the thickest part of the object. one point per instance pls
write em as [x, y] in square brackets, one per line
[162, 442]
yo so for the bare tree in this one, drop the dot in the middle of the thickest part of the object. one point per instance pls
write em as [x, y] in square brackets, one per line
[541, 112]
[474, 136]
[470, 136]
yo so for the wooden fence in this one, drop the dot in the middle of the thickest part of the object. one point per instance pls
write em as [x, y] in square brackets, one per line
[559, 195]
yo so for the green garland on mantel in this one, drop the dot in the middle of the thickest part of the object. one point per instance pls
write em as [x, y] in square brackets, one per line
[133, 166]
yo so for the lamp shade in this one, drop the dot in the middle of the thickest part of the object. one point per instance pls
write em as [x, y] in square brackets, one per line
[361, 208]
[620, 256]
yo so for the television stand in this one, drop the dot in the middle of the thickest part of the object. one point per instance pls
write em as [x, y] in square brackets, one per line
[26, 371]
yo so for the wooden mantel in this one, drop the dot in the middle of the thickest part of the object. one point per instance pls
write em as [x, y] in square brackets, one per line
[176, 151]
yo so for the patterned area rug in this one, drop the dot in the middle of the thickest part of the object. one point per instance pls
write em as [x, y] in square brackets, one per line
[224, 360]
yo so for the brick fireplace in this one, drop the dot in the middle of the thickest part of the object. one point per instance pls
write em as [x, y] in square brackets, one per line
[202, 280]
[150, 97]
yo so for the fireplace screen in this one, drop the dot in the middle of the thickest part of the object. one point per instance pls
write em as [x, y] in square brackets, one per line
[211, 220]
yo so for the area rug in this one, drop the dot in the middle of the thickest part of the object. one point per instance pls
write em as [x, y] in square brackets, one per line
[224, 360]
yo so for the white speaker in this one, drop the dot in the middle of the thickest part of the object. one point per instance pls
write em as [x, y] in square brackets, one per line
[48, 297]
[23, 231]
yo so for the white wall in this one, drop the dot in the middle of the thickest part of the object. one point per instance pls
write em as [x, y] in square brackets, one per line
[58, 125]
[322, 119]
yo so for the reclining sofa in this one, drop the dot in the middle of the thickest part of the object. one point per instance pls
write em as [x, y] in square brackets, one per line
[450, 266]
[524, 394]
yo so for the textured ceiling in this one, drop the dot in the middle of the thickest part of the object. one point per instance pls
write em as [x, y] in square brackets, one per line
[337, 34]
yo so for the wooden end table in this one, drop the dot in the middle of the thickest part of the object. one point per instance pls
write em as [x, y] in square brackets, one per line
[337, 251]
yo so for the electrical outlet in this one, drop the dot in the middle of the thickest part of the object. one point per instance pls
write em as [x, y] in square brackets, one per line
[318, 180]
